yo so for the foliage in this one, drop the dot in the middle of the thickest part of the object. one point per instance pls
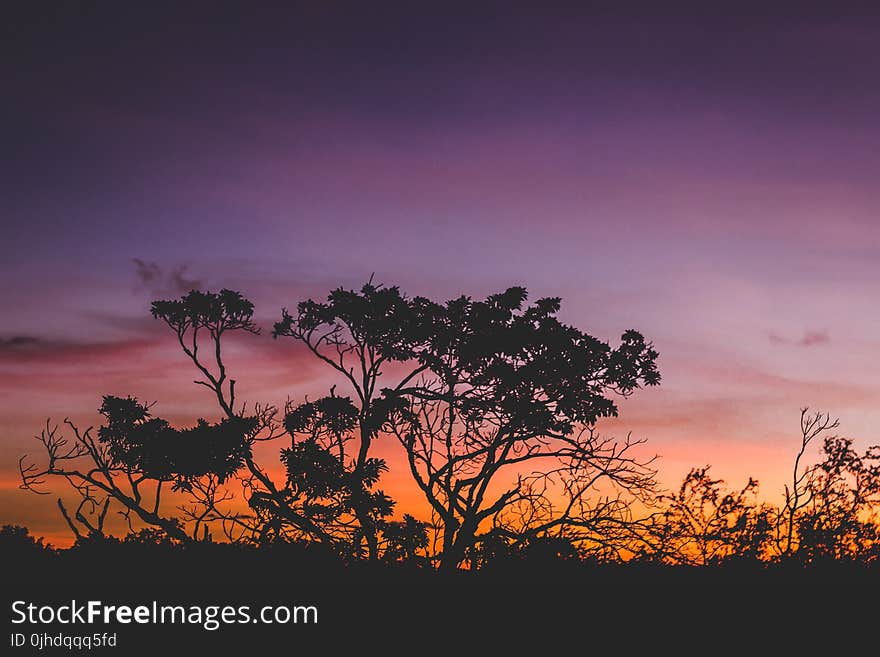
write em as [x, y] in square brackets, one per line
[151, 446]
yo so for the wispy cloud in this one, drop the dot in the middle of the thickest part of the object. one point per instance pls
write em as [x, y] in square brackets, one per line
[814, 338]
[18, 342]
[159, 280]
[775, 338]
[30, 349]
[809, 339]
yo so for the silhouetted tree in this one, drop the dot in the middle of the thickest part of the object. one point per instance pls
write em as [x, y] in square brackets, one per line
[328, 494]
[799, 493]
[133, 456]
[704, 524]
[128, 461]
[405, 540]
[360, 335]
[303, 506]
[323, 478]
[494, 386]
[829, 509]
[201, 320]
[16, 542]
[843, 491]
[199, 313]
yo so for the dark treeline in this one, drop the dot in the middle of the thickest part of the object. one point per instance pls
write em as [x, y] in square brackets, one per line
[494, 406]
[509, 606]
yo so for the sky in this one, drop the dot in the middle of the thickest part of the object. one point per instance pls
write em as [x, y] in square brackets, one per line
[709, 179]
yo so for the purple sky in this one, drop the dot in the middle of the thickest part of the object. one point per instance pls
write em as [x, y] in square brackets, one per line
[709, 180]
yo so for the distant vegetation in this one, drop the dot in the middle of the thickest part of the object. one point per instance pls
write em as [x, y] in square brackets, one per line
[494, 406]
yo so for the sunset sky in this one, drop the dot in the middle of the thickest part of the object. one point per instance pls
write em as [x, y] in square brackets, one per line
[709, 181]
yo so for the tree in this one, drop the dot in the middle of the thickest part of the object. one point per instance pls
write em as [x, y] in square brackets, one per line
[499, 432]
[799, 494]
[704, 524]
[405, 539]
[483, 390]
[323, 498]
[205, 317]
[322, 480]
[313, 501]
[829, 509]
[197, 313]
[130, 459]
[17, 543]
[843, 490]
[359, 335]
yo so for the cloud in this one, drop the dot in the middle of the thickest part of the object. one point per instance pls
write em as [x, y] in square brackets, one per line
[29, 349]
[814, 338]
[148, 273]
[809, 339]
[18, 342]
[775, 338]
[157, 280]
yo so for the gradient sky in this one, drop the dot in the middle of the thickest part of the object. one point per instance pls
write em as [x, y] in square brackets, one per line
[710, 180]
